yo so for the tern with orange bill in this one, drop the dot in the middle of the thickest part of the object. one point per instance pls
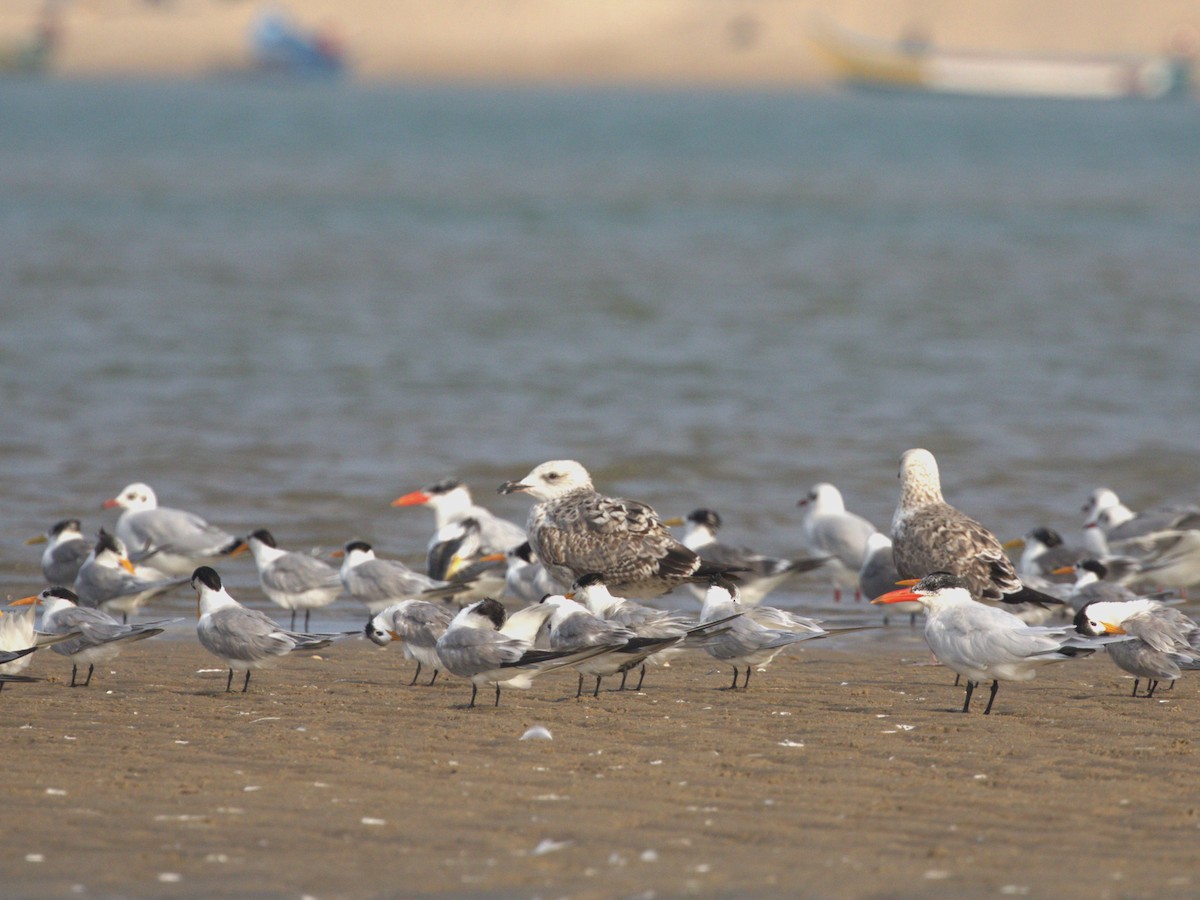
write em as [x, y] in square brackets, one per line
[986, 643]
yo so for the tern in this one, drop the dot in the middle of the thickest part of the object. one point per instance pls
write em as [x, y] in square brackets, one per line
[293, 581]
[758, 574]
[92, 635]
[450, 500]
[244, 639]
[417, 624]
[757, 636]
[378, 583]
[829, 530]
[484, 645]
[172, 540]
[982, 642]
[108, 580]
[1165, 641]
[66, 550]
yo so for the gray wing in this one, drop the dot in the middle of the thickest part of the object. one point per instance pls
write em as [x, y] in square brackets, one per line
[64, 561]
[421, 623]
[172, 531]
[843, 537]
[247, 635]
[1164, 629]
[579, 630]
[297, 573]
[98, 584]
[469, 651]
[381, 579]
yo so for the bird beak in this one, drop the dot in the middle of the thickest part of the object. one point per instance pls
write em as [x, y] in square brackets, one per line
[673, 522]
[197, 605]
[241, 548]
[27, 601]
[570, 596]
[128, 566]
[1062, 570]
[395, 637]
[109, 503]
[904, 595]
[338, 554]
[36, 539]
[1110, 628]
[512, 487]
[493, 557]
[1014, 544]
[415, 498]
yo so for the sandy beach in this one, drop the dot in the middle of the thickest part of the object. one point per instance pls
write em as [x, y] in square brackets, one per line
[657, 42]
[845, 770]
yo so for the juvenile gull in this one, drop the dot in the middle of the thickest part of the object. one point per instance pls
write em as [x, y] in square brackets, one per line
[293, 580]
[66, 549]
[172, 540]
[244, 639]
[575, 530]
[758, 573]
[929, 535]
[829, 530]
[98, 637]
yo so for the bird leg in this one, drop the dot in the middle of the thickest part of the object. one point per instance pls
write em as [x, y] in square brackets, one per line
[474, 691]
[73, 667]
[91, 668]
[416, 674]
[624, 675]
[970, 691]
[497, 703]
[642, 678]
[1152, 686]
[746, 684]
[596, 692]
[246, 683]
[579, 689]
[228, 682]
[1136, 682]
[733, 687]
[292, 627]
[307, 613]
[434, 678]
[992, 696]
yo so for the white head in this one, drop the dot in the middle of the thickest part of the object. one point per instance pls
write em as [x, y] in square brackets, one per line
[210, 593]
[1100, 498]
[822, 499]
[1109, 616]
[52, 599]
[920, 482]
[721, 599]
[110, 553]
[1111, 516]
[356, 553]
[551, 480]
[446, 498]
[136, 497]
[593, 593]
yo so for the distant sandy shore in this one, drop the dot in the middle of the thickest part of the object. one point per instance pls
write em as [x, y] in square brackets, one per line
[681, 42]
[844, 771]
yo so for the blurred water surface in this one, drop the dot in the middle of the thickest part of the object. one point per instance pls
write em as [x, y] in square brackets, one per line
[284, 307]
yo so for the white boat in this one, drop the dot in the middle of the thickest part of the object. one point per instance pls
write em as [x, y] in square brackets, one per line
[916, 65]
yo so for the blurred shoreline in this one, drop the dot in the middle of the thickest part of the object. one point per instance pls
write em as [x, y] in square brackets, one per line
[719, 43]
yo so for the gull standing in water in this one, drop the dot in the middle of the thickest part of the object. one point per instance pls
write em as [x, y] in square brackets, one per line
[378, 583]
[244, 639]
[929, 535]
[574, 530]
[1165, 641]
[759, 574]
[293, 580]
[829, 530]
[482, 645]
[66, 551]
[985, 643]
[451, 503]
[107, 580]
[172, 540]
[417, 624]
[98, 637]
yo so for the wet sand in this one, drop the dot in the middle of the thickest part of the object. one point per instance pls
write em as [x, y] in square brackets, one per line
[844, 770]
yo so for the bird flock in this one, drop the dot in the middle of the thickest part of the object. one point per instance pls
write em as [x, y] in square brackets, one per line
[500, 604]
